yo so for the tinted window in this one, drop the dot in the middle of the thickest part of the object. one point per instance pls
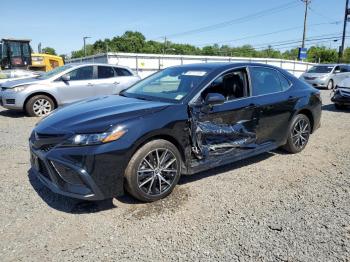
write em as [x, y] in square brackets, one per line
[344, 69]
[285, 84]
[231, 85]
[122, 72]
[82, 73]
[105, 72]
[264, 81]
[320, 69]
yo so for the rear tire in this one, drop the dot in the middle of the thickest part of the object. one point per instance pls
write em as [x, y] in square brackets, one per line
[153, 171]
[330, 85]
[298, 134]
[39, 105]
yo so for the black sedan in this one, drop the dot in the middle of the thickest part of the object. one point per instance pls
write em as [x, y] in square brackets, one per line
[181, 120]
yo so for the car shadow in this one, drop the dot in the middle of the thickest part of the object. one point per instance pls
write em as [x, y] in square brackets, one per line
[332, 108]
[75, 206]
[12, 113]
[67, 204]
[222, 169]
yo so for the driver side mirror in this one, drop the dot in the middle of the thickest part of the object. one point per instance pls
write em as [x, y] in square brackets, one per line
[213, 99]
[337, 71]
[65, 78]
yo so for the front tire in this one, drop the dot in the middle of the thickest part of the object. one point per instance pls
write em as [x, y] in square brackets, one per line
[299, 133]
[39, 105]
[330, 85]
[153, 171]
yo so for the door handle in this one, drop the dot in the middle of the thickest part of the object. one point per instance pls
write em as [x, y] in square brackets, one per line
[90, 84]
[116, 83]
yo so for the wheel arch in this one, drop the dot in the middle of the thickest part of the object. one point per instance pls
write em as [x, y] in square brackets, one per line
[40, 93]
[309, 115]
[141, 142]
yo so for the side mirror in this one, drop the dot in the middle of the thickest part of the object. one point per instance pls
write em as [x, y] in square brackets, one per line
[65, 78]
[214, 99]
[336, 71]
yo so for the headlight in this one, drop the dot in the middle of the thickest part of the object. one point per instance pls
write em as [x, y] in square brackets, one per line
[94, 139]
[19, 88]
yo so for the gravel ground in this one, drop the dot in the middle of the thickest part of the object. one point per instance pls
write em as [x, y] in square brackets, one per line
[268, 208]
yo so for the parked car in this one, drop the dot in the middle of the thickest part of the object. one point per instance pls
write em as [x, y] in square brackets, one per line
[16, 74]
[181, 120]
[341, 95]
[64, 85]
[326, 75]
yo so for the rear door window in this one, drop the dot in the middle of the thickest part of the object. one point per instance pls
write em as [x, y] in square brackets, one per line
[265, 81]
[105, 72]
[122, 71]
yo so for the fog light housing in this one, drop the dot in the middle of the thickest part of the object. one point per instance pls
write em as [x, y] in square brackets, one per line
[67, 174]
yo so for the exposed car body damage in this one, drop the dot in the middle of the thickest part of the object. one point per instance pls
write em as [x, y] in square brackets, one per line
[217, 138]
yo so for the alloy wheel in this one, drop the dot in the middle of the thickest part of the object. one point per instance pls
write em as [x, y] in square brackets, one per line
[42, 107]
[157, 172]
[301, 133]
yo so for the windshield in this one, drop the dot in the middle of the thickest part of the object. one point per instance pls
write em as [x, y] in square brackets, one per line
[54, 72]
[320, 69]
[171, 84]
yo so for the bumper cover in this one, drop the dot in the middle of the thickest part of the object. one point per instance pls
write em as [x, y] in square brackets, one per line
[98, 175]
[341, 97]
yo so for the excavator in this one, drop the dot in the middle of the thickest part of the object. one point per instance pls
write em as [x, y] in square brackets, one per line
[17, 54]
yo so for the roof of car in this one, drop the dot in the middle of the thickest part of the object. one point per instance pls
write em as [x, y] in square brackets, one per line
[222, 65]
[98, 64]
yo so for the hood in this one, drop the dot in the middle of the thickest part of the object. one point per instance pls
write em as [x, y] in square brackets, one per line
[96, 115]
[344, 83]
[26, 81]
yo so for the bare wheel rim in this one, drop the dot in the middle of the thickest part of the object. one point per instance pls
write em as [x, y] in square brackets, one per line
[42, 107]
[301, 133]
[157, 172]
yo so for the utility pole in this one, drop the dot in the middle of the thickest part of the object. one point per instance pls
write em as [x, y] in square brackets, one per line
[165, 44]
[347, 12]
[84, 39]
[307, 2]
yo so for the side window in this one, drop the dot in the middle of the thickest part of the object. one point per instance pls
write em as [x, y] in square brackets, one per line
[231, 85]
[82, 73]
[285, 83]
[122, 72]
[105, 72]
[344, 69]
[264, 81]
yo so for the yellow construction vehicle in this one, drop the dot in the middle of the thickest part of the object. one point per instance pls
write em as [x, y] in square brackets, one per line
[45, 62]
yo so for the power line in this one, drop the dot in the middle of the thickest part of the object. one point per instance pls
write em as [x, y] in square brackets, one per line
[263, 34]
[235, 21]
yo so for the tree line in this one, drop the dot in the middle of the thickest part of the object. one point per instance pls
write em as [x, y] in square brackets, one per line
[135, 42]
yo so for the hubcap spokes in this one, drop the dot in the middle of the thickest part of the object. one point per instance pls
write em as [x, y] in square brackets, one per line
[41, 107]
[301, 133]
[157, 171]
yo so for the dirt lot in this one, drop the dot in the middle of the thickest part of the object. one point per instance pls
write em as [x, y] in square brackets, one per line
[272, 207]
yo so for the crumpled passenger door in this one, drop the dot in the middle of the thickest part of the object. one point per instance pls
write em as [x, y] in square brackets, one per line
[224, 129]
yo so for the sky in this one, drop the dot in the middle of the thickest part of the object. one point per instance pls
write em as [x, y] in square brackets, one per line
[63, 24]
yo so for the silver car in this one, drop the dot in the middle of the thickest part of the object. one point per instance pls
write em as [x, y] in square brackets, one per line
[64, 85]
[326, 75]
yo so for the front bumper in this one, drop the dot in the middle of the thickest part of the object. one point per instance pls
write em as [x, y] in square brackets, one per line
[341, 97]
[89, 173]
[11, 100]
[316, 82]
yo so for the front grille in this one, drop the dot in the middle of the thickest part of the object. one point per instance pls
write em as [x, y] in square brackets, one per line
[46, 148]
[10, 101]
[310, 78]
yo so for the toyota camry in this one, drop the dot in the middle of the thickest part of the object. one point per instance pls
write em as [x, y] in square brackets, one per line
[179, 121]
